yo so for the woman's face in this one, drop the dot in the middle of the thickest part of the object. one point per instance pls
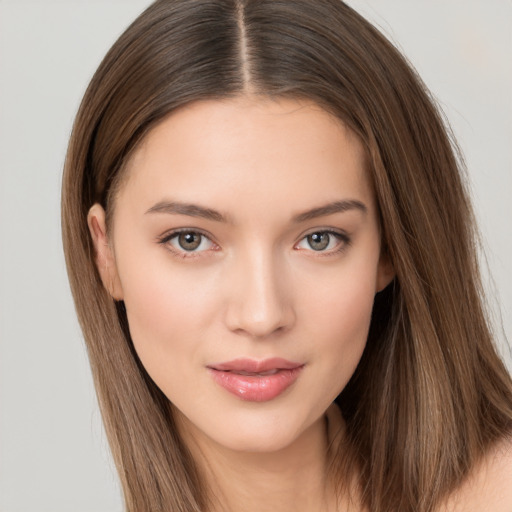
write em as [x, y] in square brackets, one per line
[246, 247]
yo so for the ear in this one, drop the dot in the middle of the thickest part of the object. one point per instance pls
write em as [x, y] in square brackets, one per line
[104, 254]
[385, 271]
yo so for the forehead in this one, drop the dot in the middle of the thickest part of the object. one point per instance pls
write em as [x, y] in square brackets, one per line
[261, 151]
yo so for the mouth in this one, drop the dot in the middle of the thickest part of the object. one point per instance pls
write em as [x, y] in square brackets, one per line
[256, 381]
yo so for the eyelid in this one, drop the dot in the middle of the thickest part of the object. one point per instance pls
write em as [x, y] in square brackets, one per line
[165, 238]
[344, 238]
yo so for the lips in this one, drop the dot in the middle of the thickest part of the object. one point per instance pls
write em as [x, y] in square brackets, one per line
[256, 381]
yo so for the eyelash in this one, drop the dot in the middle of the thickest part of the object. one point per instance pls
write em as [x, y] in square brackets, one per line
[165, 239]
[344, 242]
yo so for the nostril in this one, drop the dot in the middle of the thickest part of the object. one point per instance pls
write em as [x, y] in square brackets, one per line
[258, 304]
[245, 322]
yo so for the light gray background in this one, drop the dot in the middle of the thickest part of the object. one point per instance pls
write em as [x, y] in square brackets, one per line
[53, 452]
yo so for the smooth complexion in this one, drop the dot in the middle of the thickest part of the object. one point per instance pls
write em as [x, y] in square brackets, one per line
[247, 229]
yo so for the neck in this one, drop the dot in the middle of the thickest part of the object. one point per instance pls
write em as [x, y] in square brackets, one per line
[291, 479]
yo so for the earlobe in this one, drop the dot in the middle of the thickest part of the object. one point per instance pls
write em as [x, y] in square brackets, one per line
[104, 254]
[385, 273]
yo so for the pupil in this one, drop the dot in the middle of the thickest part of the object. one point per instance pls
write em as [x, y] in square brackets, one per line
[189, 241]
[318, 241]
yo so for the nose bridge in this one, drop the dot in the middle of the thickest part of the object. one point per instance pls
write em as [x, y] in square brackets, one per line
[260, 303]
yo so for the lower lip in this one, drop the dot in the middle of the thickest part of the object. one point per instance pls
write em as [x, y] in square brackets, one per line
[253, 388]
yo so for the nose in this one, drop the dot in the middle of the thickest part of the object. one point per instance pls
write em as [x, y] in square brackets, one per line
[260, 301]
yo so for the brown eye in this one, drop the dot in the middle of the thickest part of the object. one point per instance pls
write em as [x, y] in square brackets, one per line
[185, 242]
[189, 241]
[327, 242]
[319, 241]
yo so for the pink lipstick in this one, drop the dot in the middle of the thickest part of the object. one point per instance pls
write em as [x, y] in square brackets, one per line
[256, 381]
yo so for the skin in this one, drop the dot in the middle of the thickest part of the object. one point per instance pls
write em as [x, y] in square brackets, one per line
[488, 486]
[254, 287]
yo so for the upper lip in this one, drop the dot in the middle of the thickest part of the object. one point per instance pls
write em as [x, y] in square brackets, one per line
[255, 366]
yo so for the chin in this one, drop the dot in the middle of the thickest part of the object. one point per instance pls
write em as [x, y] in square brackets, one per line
[268, 440]
[253, 430]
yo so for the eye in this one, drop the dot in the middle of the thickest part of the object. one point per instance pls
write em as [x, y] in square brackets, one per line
[323, 241]
[188, 241]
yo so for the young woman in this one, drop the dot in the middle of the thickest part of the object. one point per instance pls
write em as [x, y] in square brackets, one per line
[273, 260]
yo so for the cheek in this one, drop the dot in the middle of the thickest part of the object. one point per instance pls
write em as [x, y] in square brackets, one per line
[351, 309]
[339, 323]
[166, 313]
[341, 301]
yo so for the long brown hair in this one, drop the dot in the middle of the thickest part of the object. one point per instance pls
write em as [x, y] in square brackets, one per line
[430, 395]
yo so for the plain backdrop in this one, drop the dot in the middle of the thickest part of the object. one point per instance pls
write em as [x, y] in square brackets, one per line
[53, 452]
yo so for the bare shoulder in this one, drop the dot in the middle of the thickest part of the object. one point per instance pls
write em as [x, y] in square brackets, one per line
[489, 486]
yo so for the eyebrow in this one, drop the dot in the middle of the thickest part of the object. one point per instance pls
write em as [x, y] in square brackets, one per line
[191, 210]
[194, 210]
[330, 209]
